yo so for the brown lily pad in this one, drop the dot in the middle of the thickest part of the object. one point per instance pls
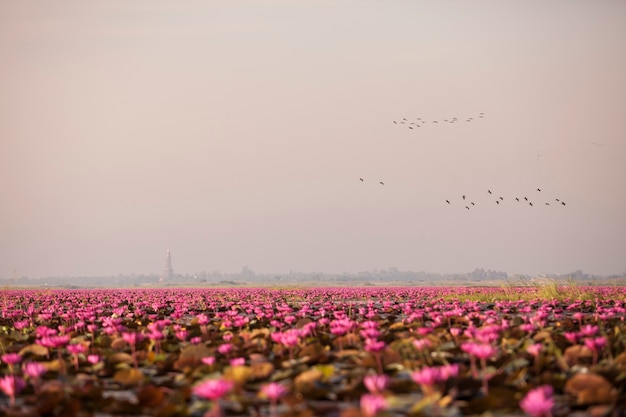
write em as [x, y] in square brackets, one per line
[590, 389]
[261, 370]
[578, 354]
[34, 349]
[620, 360]
[150, 396]
[119, 357]
[118, 343]
[128, 376]
[307, 383]
[498, 398]
[542, 335]
[191, 356]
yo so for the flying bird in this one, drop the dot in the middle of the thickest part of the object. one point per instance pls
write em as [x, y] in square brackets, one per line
[361, 179]
[526, 198]
[538, 189]
[467, 207]
[530, 204]
[497, 201]
[517, 198]
[489, 191]
[501, 198]
[473, 203]
[382, 183]
[463, 196]
[448, 201]
[563, 202]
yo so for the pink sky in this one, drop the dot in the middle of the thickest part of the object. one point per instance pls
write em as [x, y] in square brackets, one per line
[235, 133]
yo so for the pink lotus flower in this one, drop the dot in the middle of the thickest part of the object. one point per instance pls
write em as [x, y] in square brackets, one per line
[20, 325]
[273, 390]
[93, 359]
[421, 344]
[480, 350]
[538, 402]
[33, 370]
[132, 338]
[54, 341]
[208, 360]
[588, 330]
[448, 371]
[11, 359]
[571, 337]
[237, 361]
[202, 319]
[370, 333]
[374, 346]
[376, 384]
[11, 385]
[427, 376]
[290, 338]
[596, 343]
[225, 349]
[76, 349]
[534, 349]
[212, 389]
[371, 404]
[182, 335]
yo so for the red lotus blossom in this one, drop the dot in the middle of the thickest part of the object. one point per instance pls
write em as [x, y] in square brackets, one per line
[93, 359]
[237, 361]
[212, 389]
[11, 359]
[371, 404]
[75, 350]
[426, 377]
[208, 360]
[538, 402]
[182, 335]
[588, 330]
[480, 350]
[11, 385]
[571, 337]
[376, 384]
[273, 391]
[534, 349]
[374, 346]
[225, 348]
[421, 344]
[33, 369]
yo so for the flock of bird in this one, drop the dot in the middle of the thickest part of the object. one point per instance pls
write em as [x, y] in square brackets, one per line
[380, 182]
[467, 203]
[500, 199]
[593, 143]
[419, 122]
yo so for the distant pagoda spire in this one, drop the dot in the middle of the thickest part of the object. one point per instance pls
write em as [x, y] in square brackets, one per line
[168, 271]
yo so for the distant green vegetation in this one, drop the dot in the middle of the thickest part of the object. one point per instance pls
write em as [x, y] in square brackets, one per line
[546, 289]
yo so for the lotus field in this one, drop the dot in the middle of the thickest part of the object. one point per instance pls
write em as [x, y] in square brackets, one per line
[346, 352]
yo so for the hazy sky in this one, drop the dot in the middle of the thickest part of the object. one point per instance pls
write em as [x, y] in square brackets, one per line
[235, 133]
